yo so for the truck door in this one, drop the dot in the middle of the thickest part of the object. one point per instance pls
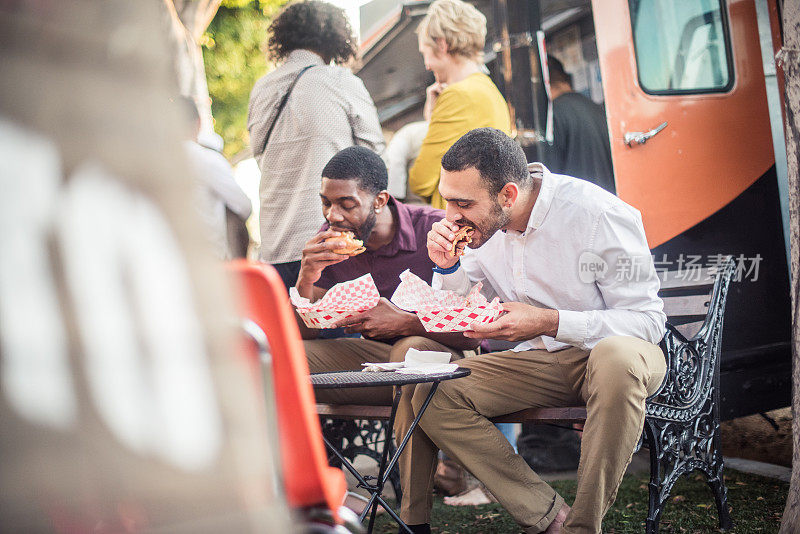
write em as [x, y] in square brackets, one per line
[688, 64]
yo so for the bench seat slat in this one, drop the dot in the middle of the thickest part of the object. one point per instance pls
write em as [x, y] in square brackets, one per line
[354, 411]
[572, 414]
[686, 305]
[686, 278]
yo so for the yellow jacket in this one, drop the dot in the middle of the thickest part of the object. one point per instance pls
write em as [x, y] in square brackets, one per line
[474, 102]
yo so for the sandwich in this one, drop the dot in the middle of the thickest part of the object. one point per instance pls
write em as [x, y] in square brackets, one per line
[464, 235]
[352, 247]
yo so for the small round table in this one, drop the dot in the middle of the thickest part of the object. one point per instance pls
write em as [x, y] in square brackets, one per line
[359, 379]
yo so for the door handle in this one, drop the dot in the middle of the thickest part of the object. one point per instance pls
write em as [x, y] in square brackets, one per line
[640, 138]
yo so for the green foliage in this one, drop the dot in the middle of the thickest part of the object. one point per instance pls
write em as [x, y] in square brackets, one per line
[234, 60]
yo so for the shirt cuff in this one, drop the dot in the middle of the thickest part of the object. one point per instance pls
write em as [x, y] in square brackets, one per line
[457, 281]
[449, 270]
[573, 327]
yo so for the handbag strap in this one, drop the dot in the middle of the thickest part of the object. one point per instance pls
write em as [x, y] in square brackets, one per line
[280, 108]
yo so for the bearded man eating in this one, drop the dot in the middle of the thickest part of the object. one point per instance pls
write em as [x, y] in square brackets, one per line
[549, 247]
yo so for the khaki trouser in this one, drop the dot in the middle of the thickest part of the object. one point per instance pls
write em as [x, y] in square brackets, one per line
[612, 380]
[347, 354]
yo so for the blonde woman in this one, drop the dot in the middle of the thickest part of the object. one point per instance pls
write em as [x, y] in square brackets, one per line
[451, 40]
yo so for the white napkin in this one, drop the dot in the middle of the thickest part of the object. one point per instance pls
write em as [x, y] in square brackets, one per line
[389, 366]
[417, 362]
[429, 369]
[416, 357]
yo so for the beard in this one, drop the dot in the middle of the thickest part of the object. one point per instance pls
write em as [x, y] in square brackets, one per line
[365, 230]
[486, 228]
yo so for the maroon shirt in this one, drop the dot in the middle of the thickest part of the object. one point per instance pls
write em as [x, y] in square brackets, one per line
[408, 250]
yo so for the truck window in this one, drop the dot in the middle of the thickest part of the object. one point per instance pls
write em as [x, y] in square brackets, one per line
[682, 46]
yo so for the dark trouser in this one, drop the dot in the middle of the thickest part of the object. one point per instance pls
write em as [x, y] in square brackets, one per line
[289, 272]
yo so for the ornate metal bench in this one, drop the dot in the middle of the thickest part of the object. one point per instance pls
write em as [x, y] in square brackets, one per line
[681, 428]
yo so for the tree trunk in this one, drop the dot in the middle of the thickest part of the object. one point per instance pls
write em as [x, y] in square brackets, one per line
[188, 20]
[789, 60]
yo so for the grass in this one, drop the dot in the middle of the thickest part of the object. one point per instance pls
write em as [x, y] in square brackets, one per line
[756, 505]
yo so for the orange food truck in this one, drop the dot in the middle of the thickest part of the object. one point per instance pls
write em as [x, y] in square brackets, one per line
[693, 108]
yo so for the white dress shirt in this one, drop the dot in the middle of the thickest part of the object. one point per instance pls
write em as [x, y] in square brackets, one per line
[215, 190]
[574, 230]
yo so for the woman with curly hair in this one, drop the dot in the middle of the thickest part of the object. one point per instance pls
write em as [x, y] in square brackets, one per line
[327, 109]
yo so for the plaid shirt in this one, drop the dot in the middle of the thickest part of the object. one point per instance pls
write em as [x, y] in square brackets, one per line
[329, 109]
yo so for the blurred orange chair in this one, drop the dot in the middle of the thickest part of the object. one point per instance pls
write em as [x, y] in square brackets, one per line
[309, 481]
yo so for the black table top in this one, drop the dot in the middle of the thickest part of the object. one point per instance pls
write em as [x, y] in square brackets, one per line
[356, 379]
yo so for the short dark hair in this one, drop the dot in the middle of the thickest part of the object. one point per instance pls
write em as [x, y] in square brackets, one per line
[312, 25]
[557, 72]
[497, 157]
[360, 164]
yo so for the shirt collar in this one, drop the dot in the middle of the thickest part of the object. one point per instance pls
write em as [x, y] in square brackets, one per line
[545, 198]
[405, 236]
[304, 57]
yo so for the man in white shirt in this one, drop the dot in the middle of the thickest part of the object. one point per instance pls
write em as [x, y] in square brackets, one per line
[551, 247]
[216, 188]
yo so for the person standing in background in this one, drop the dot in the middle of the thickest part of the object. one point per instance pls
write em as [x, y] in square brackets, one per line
[401, 152]
[217, 192]
[580, 134]
[300, 115]
[451, 40]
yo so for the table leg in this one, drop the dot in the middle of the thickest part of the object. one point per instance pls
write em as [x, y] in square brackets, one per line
[382, 466]
[384, 470]
[346, 463]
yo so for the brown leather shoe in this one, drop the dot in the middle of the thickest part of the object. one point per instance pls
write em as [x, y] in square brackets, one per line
[558, 522]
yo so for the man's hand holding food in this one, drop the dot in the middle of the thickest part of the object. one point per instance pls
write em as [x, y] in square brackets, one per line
[324, 249]
[519, 322]
[446, 242]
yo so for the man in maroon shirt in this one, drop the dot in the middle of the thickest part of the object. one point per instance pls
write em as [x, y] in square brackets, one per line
[354, 199]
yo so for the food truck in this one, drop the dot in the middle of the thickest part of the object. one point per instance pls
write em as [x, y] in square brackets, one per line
[693, 104]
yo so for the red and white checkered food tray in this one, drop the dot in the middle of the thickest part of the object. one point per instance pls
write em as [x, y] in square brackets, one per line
[444, 311]
[341, 301]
